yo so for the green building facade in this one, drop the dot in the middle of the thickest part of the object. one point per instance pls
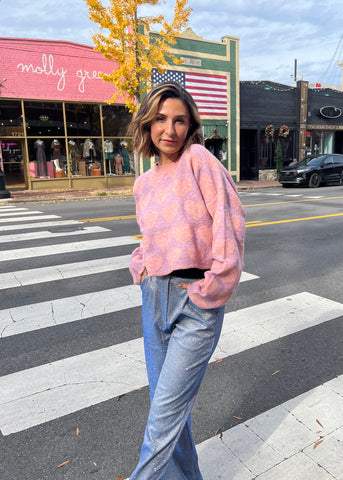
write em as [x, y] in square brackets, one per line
[210, 72]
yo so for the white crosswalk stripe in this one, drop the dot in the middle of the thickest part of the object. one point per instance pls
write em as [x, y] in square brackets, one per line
[268, 446]
[33, 276]
[50, 391]
[21, 237]
[62, 271]
[27, 318]
[34, 252]
[27, 226]
[282, 440]
[19, 212]
[30, 217]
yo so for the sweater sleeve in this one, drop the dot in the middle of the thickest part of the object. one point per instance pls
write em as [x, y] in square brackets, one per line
[137, 263]
[227, 235]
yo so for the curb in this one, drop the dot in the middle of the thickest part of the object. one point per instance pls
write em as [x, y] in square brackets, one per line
[110, 194]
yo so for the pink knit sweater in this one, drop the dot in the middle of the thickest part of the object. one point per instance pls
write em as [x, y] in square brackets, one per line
[190, 216]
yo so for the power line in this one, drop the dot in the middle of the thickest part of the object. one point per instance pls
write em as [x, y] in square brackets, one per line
[337, 56]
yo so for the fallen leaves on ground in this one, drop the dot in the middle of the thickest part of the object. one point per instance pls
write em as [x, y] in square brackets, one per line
[319, 423]
[317, 443]
[77, 431]
[237, 418]
[121, 478]
[276, 371]
[62, 464]
[218, 360]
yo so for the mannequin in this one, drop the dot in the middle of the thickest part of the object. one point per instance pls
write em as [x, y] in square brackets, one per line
[41, 158]
[126, 158]
[118, 163]
[108, 146]
[72, 157]
[56, 153]
[89, 152]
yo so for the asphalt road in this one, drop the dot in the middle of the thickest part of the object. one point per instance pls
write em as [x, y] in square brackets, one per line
[64, 416]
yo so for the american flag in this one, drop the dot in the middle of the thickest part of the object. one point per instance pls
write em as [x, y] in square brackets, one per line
[209, 91]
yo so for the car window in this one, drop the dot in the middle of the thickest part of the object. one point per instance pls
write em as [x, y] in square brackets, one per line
[328, 160]
[317, 160]
[338, 159]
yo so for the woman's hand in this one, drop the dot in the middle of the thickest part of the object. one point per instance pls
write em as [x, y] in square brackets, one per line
[184, 286]
[144, 274]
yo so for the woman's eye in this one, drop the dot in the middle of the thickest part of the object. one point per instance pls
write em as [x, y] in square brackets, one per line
[159, 119]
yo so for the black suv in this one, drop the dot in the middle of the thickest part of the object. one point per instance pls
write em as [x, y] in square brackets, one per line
[321, 169]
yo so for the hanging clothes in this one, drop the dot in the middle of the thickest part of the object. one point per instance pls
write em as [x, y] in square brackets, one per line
[89, 150]
[126, 158]
[72, 157]
[56, 153]
[41, 158]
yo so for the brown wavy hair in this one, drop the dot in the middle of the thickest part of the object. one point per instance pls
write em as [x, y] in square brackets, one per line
[139, 128]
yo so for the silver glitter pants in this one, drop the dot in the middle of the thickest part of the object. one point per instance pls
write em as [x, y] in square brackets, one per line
[179, 339]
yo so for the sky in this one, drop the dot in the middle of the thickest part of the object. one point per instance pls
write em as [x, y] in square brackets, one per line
[272, 33]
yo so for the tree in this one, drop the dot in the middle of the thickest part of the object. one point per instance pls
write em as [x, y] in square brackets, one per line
[279, 161]
[127, 40]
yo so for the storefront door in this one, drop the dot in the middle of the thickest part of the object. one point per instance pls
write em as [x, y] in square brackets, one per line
[12, 161]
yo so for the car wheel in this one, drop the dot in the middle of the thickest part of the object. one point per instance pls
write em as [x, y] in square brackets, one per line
[314, 180]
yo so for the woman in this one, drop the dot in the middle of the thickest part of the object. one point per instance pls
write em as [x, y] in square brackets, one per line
[188, 266]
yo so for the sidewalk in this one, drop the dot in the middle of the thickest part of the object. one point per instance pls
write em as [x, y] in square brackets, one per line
[24, 196]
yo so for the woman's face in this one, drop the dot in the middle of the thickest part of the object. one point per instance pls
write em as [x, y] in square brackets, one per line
[169, 129]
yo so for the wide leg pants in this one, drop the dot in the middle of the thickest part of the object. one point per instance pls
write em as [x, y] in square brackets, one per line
[179, 339]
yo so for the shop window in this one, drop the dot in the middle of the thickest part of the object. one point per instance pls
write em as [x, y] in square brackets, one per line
[118, 154]
[268, 150]
[116, 119]
[84, 157]
[47, 158]
[12, 161]
[83, 120]
[44, 119]
[11, 118]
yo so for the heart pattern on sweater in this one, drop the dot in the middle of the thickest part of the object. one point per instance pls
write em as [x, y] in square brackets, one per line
[150, 218]
[154, 262]
[169, 211]
[195, 209]
[205, 234]
[195, 254]
[173, 255]
[162, 239]
[183, 233]
[182, 187]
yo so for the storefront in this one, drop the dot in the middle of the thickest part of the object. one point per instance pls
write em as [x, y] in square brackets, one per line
[304, 120]
[210, 73]
[56, 129]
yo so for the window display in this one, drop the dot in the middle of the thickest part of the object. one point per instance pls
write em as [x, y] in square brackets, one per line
[53, 148]
[119, 156]
[12, 161]
[83, 120]
[116, 119]
[47, 158]
[11, 118]
[44, 119]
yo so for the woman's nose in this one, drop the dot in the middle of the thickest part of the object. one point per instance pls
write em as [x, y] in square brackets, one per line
[169, 128]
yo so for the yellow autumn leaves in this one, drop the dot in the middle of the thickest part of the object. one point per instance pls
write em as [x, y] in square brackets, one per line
[130, 42]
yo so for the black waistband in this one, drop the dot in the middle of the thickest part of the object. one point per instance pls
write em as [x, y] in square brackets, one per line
[189, 273]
